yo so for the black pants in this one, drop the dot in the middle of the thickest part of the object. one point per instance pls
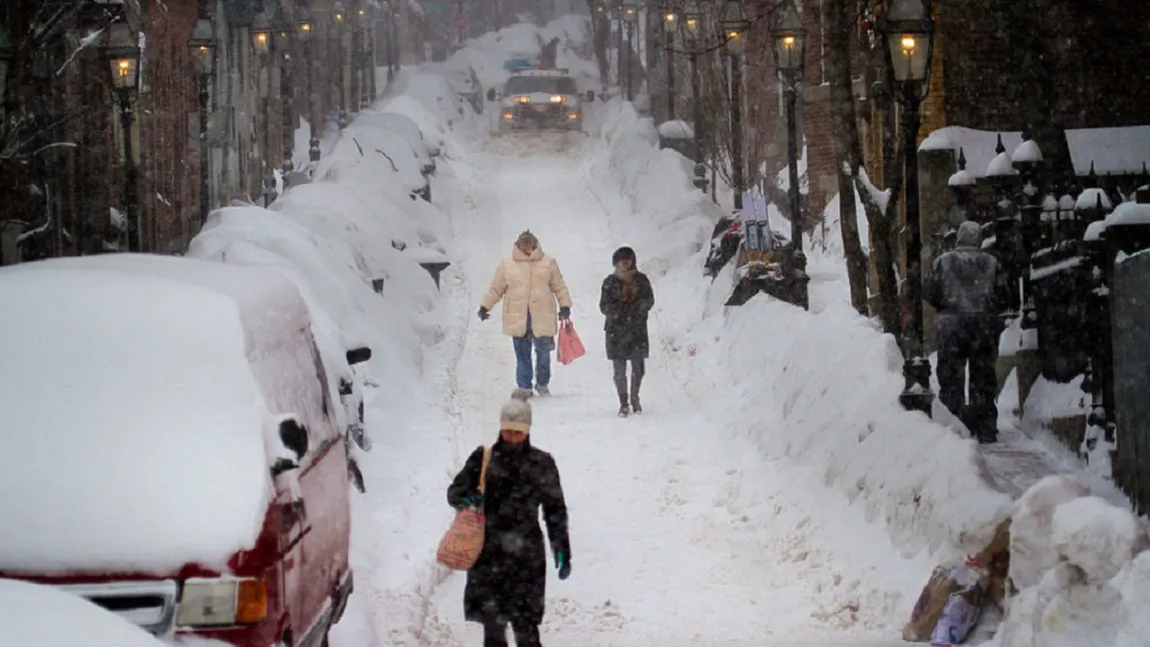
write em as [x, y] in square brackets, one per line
[969, 341]
[495, 635]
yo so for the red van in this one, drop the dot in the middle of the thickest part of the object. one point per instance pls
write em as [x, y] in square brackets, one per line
[174, 455]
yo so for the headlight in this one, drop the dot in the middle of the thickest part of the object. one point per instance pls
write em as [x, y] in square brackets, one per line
[522, 99]
[508, 115]
[218, 603]
[556, 98]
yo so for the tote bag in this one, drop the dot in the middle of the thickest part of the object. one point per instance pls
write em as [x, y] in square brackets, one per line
[570, 347]
[461, 544]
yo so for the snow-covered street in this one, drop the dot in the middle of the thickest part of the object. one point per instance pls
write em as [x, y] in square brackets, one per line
[680, 534]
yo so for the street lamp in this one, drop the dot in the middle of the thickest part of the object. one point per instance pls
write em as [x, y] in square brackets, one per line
[690, 22]
[735, 26]
[202, 47]
[908, 30]
[361, 49]
[122, 52]
[790, 38]
[304, 28]
[261, 33]
[629, 11]
[339, 18]
[669, 21]
[285, 27]
[369, 57]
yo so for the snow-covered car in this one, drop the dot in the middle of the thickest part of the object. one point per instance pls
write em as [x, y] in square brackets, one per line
[35, 615]
[403, 158]
[540, 99]
[182, 412]
[466, 85]
[407, 129]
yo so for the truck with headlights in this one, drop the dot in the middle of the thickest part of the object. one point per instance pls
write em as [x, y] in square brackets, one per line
[541, 100]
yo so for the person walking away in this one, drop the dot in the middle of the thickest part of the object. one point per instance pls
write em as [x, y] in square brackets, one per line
[508, 583]
[625, 300]
[529, 283]
[549, 54]
[969, 289]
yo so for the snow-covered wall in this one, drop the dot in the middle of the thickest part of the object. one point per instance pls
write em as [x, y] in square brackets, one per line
[815, 391]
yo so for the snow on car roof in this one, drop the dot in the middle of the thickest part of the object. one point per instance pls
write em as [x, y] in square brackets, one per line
[143, 434]
[562, 71]
[34, 615]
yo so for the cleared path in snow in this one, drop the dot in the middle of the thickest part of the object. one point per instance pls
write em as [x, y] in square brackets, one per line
[678, 538]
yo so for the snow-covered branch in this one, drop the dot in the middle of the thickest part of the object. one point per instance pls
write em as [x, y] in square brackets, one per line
[84, 43]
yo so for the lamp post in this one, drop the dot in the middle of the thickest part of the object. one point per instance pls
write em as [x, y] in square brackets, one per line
[286, 30]
[670, 20]
[122, 52]
[790, 40]
[304, 29]
[691, 21]
[5, 61]
[202, 47]
[354, 65]
[339, 17]
[262, 43]
[629, 13]
[735, 26]
[363, 50]
[908, 30]
[369, 58]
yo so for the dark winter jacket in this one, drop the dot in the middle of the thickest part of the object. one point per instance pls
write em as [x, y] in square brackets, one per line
[626, 316]
[548, 54]
[966, 280]
[508, 582]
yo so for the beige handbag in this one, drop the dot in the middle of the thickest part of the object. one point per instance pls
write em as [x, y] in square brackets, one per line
[461, 544]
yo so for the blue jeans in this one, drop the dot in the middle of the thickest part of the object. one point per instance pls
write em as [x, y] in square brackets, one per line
[543, 347]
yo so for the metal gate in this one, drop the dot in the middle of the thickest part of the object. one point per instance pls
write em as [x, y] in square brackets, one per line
[1131, 343]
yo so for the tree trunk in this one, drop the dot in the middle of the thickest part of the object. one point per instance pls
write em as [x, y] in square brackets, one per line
[848, 150]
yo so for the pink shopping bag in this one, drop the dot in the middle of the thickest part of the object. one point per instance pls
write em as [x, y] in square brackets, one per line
[570, 347]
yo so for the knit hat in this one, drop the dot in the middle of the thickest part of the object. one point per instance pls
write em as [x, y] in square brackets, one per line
[516, 414]
[527, 238]
[623, 253]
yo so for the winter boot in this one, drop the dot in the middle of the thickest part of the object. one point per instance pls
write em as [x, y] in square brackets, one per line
[543, 391]
[636, 384]
[621, 389]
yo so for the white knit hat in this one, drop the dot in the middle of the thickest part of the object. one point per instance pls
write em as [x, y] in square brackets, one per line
[515, 415]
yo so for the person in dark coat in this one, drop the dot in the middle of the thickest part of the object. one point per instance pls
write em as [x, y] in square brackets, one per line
[625, 300]
[508, 582]
[969, 289]
[548, 54]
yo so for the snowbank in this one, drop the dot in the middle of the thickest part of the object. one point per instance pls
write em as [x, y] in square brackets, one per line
[815, 391]
[32, 615]
[1082, 569]
[146, 484]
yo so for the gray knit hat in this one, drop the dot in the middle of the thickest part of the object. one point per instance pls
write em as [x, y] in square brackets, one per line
[515, 414]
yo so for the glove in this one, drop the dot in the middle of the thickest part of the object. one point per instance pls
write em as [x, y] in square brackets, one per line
[483, 313]
[564, 566]
[564, 313]
[473, 501]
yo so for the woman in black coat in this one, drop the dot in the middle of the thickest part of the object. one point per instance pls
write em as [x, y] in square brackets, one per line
[626, 299]
[508, 582]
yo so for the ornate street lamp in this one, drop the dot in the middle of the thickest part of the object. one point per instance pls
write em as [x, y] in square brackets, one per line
[628, 11]
[691, 20]
[908, 30]
[735, 26]
[304, 28]
[202, 47]
[790, 38]
[261, 34]
[122, 52]
[286, 28]
[368, 87]
[670, 20]
[339, 18]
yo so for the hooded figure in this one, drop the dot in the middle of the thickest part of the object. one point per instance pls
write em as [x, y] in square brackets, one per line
[625, 301]
[548, 55]
[508, 582]
[969, 289]
[529, 283]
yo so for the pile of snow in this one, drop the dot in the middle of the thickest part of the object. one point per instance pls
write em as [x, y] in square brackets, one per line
[816, 392]
[1081, 568]
[33, 615]
[485, 54]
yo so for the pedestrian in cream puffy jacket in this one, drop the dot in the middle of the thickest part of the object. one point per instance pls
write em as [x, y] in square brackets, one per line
[529, 283]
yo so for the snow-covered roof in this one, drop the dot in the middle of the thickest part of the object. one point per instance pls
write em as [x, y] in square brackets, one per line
[37, 615]
[1112, 150]
[676, 129]
[128, 389]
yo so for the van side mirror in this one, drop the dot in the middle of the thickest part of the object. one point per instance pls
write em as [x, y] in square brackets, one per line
[293, 435]
[491, 94]
[358, 355]
[590, 96]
